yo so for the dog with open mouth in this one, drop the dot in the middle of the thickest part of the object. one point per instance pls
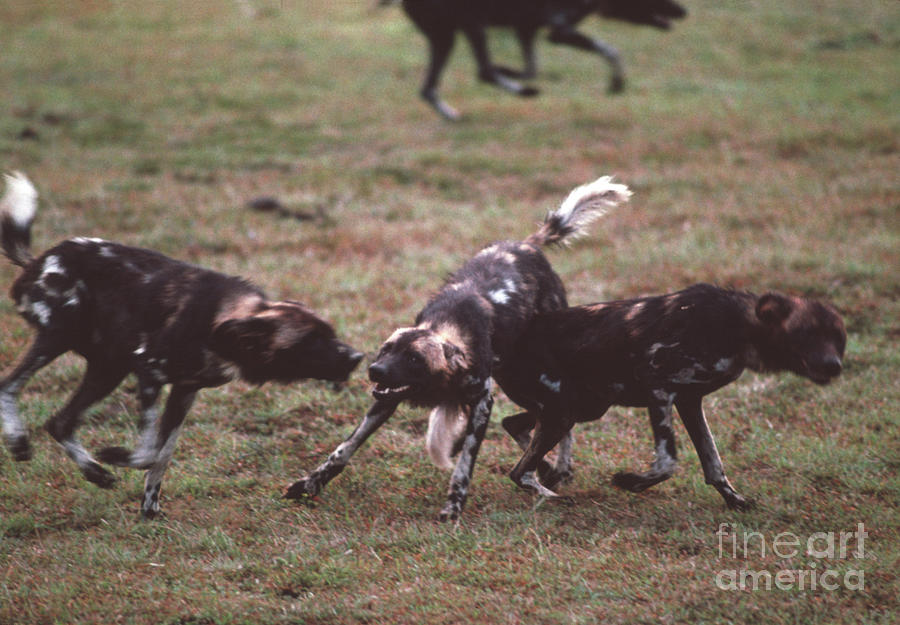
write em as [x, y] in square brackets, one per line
[134, 311]
[461, 339]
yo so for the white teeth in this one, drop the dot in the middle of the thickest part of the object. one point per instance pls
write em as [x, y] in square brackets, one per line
[387, 392]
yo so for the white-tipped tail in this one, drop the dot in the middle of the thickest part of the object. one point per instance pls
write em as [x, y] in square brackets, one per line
[590, 201]
[20, 200]
[17, 209]
[446, 427]
[583, 205]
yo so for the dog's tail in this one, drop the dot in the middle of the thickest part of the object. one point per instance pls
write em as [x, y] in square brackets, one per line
[583, 205]
[17, 209]
[446, 428]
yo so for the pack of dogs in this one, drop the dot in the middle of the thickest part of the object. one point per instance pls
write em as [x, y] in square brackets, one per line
[502, 318]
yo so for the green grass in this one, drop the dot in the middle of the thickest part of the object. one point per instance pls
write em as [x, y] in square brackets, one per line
[761, 141]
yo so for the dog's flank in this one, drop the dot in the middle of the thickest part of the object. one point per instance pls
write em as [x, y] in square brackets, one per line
[129, 310]
[461, 339]
[439, 20]
[659, 352]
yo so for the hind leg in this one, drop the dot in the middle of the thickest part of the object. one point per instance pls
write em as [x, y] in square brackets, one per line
[15, 434]
[666, 455]
[98, 382]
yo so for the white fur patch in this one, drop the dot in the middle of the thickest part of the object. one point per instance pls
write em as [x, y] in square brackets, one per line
[553, 385]
[87, 241]
[446, 426]
[591, 201]
[52, 266]
[20, 199]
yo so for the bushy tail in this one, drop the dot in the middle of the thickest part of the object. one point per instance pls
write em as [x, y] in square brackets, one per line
[583, 205]
[17, 209]
[446, 428]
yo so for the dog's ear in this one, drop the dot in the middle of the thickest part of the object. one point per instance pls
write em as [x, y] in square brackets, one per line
[236, 339]
[456, 359]
[773, 308]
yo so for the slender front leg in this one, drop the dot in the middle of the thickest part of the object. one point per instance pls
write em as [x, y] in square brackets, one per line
[549, 431]
[519, 426]
[526, 44]
[486, 71]
[99, 381]
[691, 411]
[440, 45]
[458, 490]
[571, 37]
[149, 444]
[666, 455]
[177, 406]
[15, 434]
[312, 485]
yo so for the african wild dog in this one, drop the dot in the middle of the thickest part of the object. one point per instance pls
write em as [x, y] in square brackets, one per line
[439, 20]
[462, 338]
[129, 310]
[656, 352]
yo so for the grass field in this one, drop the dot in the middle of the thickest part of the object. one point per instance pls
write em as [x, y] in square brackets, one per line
[762, 142]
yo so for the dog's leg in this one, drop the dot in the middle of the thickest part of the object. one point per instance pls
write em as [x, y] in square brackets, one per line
[312, 485]
[148, 446]
[571, 37]
[519, 427]
[486, 71]
[690, 409]
[15, 434]
[99, 381]
[666, 455]
[525, 37]
[547, 433]
[440, 44]
[177, 405]
[458, 491]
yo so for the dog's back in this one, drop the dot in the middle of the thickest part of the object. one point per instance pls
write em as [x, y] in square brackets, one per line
[122, 298]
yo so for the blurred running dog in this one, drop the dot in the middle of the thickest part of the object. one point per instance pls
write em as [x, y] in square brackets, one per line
[571, 365]
[462, 338]
[129, 310]
[439, 20]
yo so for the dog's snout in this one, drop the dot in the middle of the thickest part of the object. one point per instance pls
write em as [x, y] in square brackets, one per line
[354, 357]
[832, 366]
[377, 372]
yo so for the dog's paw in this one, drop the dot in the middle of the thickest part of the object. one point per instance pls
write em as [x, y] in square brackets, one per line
[449, 512]
[551, 478]
[96, 474]
[303, 489]
[116, 456]
[634, 482]
[20, 448]
[736, 502]
[616, 84]
[529, 92]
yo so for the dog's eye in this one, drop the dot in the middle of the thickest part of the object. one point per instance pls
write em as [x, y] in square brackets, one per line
[414, 359]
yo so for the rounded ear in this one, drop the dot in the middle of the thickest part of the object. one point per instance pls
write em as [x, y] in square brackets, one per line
[773, 308]
[236, 339]
[456, 359]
